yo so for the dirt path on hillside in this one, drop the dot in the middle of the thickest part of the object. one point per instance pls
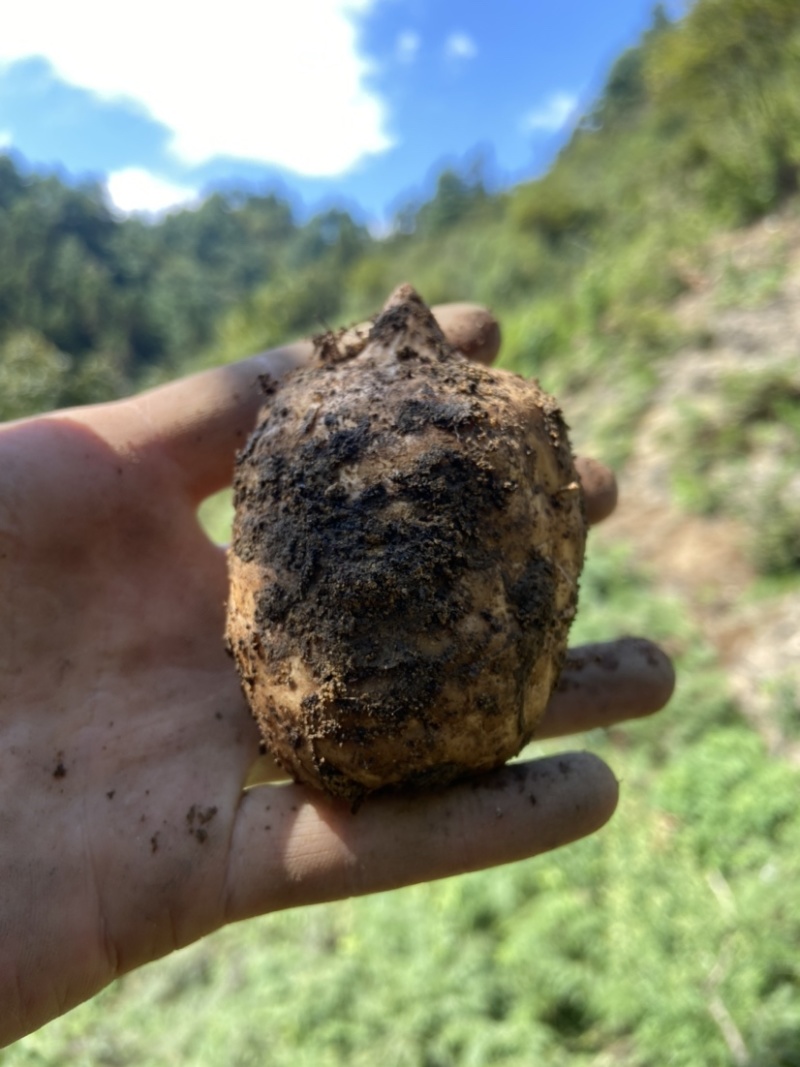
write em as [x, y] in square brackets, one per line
[704, 561]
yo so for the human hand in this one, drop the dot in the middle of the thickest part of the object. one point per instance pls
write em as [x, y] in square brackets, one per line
[125, 743]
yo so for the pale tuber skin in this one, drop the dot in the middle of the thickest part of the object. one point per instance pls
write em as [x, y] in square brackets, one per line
[123, 731]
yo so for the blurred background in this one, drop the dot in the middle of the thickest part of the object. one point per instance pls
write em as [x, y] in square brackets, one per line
[620, 183]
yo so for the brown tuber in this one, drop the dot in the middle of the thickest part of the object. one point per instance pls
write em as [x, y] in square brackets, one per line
[408, 539]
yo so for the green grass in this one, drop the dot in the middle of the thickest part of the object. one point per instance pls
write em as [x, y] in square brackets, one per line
[751, 287]
[216, 516]
[715, 448]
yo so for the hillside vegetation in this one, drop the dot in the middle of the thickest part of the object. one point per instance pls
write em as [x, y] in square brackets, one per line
[651, 279]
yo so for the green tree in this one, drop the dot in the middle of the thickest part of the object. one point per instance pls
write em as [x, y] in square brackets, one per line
[33, 375]
[730, 71]
[333, 235]
[456, 198]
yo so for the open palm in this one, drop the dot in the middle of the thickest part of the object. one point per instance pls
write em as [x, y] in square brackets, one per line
[125, 744]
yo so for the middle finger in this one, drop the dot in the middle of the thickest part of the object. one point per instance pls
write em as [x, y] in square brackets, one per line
[606, 683]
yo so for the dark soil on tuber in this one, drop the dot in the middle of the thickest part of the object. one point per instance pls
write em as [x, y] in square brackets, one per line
[408, 539]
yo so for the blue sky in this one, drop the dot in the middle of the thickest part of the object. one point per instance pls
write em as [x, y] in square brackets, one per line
[357, 102]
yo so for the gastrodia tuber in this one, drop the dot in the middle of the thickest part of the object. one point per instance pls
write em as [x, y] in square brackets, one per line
[409, 532]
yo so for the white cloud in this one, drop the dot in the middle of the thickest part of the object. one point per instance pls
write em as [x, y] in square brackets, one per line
[262, 81]
[5, 139]
[460, 46]
[553, 114]
[407, 46]
[134, 189]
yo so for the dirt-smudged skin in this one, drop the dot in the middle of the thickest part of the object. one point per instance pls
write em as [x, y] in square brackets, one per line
[408, 539]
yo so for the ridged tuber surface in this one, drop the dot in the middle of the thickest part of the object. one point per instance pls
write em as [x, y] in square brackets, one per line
[408, 538]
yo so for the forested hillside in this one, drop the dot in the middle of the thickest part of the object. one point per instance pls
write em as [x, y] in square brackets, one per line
[651, 279]
[696, 129]
[91, 306]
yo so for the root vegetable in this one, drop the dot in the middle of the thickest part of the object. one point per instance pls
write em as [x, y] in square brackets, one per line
[408, 538]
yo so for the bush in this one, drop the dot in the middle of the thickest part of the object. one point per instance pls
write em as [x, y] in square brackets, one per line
[33, 375]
